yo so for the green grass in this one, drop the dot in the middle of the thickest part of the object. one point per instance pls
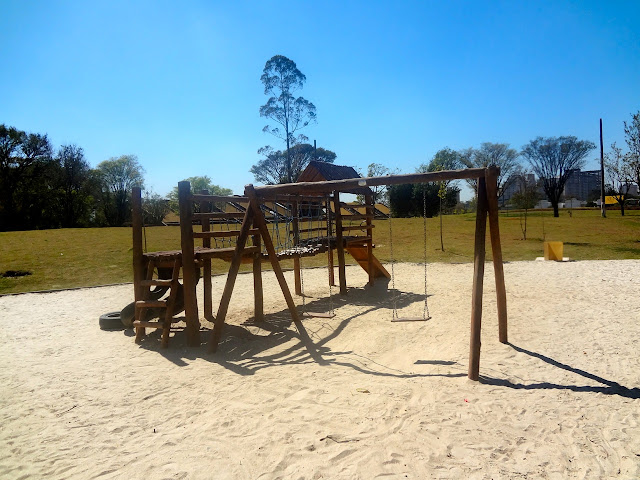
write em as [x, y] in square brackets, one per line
[84, 257]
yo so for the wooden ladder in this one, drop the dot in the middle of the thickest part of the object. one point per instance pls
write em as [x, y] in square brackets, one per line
[167, 305]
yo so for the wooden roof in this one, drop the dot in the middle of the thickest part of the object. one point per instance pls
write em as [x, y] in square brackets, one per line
[323, 171]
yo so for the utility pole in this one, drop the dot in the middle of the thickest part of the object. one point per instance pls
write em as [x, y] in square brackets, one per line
[603, 207]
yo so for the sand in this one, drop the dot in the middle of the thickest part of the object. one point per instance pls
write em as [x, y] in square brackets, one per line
[363, 398]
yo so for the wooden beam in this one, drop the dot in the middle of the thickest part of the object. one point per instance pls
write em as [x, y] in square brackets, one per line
[218, 326]
[206, 206]
[260, 222]
[295, 224]
[138, 260]
[258, 293]
[342, 274]
[478, 277]
[350, 183]
[332, 280]
[218, 198]
[496, 249]
[369, 209]
[189, 277]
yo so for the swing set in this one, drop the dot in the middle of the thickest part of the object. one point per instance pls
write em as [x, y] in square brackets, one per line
[306, 219]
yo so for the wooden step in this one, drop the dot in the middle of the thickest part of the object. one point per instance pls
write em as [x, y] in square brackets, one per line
[151, 304]
[140, 323]
[355, 240]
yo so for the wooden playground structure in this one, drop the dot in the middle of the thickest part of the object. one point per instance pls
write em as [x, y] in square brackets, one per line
[305, 219]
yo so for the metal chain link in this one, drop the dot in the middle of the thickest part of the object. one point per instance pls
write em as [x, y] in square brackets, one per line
[393, 276]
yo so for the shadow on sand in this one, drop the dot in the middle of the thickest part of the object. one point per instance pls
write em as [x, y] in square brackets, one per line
[244, 352]
[609, 386]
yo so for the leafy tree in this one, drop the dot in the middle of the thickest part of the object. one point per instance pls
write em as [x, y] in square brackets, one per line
[445, 159]
[272, 169]
[154, 208]
[553, 160]
[118, 176]
[619, 171]
[498, 154]
[525, 199]
[26, 171]
[281, 78]
[380, 192]
[198, 184]
[632, 137]
[74, 178]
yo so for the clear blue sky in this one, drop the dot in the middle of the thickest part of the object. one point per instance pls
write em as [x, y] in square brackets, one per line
[178, 83]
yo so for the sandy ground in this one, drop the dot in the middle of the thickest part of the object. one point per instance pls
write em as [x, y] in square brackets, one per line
[362, 397]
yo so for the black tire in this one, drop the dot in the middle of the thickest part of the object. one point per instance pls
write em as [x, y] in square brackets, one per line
[128, 315]
[110, 321]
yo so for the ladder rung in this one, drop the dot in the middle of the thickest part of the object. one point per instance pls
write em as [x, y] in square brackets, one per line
[358, 240]
[411, 319]
[346, 218]
[140, 323]
[224, 233]
[157, 283]
[151, 304]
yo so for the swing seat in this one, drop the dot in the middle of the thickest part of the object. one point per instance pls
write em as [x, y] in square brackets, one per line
[411, 319]
[318, 315]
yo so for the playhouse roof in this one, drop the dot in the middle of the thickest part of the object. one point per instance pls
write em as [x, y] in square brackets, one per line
[323, 171]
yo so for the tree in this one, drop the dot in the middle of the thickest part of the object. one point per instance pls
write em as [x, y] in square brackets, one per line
[632, 137]
[498, 154]
[281, 78]
[198, 184]
[118, 176]
[272, 169]
[154, 208]
[525, 199]
[74, 186]
[553, 160]
[619, 171]
[26, 172]
[445, 159]
[380, 192]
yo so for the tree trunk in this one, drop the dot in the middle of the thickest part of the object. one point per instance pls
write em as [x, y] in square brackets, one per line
[556, 213]
[622, 209]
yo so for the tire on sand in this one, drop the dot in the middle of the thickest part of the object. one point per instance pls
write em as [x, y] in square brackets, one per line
[110, 321]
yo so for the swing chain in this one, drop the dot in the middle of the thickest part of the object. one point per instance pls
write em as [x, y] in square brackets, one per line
[425, 311]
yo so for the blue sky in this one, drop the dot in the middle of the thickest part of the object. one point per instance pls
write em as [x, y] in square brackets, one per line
[178, 83]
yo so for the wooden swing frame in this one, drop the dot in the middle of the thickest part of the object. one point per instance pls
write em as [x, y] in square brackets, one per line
[254, 219]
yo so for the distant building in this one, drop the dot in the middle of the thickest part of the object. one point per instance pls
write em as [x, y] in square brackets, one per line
[582, 185]
[515, 184]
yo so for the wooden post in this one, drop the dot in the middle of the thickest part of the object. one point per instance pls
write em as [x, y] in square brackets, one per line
[231, 281]
[206, 207]
[332, 280]
[342, 274]
[261, 224]
[368, 199]
[295, 224]
[258, 294]
[188, 264]
[138, 258]
[496, 249]
[478, 276]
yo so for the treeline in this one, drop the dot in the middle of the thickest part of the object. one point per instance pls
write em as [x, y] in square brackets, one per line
[45, 188]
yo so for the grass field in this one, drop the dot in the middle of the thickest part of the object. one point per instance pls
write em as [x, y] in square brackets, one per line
[85, 257]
